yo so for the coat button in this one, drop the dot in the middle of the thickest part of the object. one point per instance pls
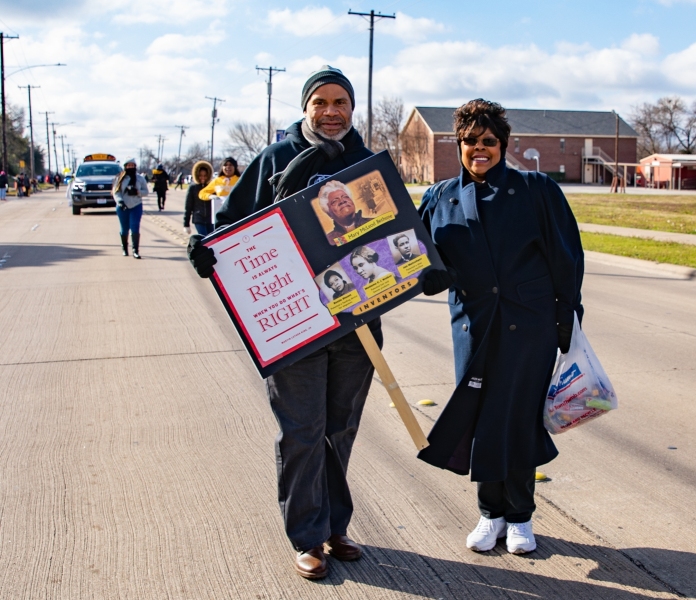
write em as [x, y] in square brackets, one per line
[511, 191]
[495, 290]
[465, 327]
[454, 200]
[513, 327]
[463, 292]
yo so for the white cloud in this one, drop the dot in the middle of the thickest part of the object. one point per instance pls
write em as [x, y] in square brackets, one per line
[168, 11]
[176, 43]
[410, 29]
[442, 73]
[309, 21]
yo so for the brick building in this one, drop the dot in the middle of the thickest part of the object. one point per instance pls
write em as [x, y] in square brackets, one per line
[574, 145]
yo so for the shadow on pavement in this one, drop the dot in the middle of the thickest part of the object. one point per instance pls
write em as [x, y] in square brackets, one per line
[428, 577]
[41, 255]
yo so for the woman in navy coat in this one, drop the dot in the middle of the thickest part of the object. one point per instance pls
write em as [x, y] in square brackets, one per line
[515, 267]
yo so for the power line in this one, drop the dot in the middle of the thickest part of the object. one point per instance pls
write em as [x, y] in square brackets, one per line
[269, 83]
[372, 16]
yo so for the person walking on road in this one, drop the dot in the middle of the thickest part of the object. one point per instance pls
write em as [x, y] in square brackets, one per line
[128, 190]
[200, 211]
[219, 188]
[318, 400]
[56, 181]
[161, 185]
[515, 268]
[179, 182]
[4, 182]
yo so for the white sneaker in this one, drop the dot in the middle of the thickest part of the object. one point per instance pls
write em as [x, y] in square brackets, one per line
[520, 538]
[486, 534]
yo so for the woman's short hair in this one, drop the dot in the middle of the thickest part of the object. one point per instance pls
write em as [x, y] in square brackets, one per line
[365, 252]
[330, 187]
[482, 114]
[329, 274]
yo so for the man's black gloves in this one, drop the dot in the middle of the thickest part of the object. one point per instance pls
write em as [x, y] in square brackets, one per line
[438, 280]
[565, 333]
[202, 258]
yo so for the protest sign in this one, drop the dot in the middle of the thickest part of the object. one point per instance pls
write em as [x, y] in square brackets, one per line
[321, 263]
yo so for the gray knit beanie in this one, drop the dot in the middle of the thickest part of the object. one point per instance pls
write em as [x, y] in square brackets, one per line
[326, 74]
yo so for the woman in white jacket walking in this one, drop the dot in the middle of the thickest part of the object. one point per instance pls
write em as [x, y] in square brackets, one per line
[128, 190]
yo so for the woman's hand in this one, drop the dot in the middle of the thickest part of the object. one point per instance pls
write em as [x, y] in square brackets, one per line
[187, 230]
[565, 335]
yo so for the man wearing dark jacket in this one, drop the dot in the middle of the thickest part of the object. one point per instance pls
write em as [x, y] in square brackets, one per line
[318, 400]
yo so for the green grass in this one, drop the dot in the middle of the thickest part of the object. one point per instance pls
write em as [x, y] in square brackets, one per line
[658, 213]
[663, 252]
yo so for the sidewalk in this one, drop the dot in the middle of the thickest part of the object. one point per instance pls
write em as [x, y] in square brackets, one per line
[648, 234]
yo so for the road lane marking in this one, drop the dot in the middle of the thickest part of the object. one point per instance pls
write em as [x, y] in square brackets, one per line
[35, 227]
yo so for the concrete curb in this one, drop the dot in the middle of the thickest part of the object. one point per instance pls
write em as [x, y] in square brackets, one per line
[636, 264]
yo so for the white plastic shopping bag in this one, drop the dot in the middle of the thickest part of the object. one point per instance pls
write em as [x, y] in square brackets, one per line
[580, 389]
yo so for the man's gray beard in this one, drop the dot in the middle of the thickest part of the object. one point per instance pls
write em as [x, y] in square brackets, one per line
[336, 137]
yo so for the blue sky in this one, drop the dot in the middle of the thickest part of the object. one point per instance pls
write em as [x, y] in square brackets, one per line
[136, 68]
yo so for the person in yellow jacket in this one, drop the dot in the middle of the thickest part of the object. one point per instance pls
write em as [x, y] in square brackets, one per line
[220, 187]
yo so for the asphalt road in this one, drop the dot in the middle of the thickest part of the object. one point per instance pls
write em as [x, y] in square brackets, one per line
[136, 447]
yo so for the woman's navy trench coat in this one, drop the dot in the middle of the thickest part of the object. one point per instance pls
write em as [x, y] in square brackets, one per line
[517, 277]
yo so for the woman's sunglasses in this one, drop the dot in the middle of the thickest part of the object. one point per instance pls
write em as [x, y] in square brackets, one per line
[488, 142]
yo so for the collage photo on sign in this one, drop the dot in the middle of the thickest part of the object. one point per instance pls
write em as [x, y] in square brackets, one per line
[348, 211]
[371, 269]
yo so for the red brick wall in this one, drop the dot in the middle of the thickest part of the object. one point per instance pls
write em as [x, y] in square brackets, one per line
[551, 157]
[446, 162]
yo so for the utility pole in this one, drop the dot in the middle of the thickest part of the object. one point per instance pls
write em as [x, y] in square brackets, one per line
[62, 145]
[372, 15]
[55, 147]
[4, 37]
[269, 83]
[181, 137]
[212, 129]
[48, 141]
[31, 126]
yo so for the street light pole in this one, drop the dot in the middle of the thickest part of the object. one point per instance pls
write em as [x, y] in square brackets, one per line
[212, 129]
[269, 83]
[372, 16]
[31, 127]
[4, 37]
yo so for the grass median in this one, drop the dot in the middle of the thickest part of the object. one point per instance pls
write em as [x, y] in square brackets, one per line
[662, 252]
[657, 213]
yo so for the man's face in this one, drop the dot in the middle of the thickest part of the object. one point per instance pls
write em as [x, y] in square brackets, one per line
[341, 206]
[404, 246]
[329, 111]
[336, 283]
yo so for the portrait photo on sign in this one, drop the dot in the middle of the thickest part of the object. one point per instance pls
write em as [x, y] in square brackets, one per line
[371, 268]
[338, 292]
[404, 247]
[348, 210]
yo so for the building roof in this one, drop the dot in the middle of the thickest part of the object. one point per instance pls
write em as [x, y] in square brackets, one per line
[673, 158]
[540, 122]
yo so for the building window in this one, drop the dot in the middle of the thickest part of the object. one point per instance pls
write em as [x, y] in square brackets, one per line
[517, 145]
[562, 145]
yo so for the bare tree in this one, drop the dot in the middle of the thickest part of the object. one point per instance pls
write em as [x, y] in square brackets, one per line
[360, 124]
[246, 139]
[387, 120]
[679, 123]
[668, 126]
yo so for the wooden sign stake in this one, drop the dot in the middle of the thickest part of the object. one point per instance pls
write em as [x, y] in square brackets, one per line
[395, 393]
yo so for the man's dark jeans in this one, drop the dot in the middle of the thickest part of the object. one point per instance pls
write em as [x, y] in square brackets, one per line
[318, 402]
[512, 498]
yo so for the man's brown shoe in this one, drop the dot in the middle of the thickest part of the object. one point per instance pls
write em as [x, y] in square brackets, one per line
[343, 548]
[312, 564]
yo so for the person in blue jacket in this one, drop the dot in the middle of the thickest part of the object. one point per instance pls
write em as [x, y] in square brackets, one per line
[318, 400]
[514, 271]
